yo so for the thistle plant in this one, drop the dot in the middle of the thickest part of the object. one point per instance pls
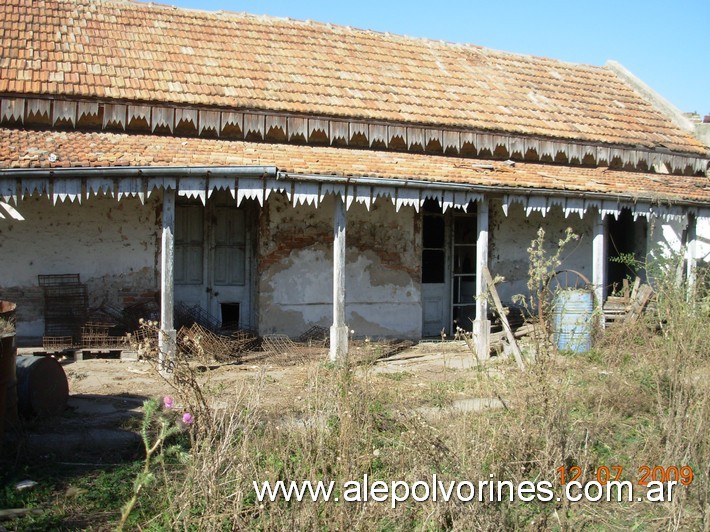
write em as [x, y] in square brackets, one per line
[167, 426]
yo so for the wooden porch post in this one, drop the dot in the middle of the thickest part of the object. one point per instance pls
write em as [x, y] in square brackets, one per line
[339, 330]
[599, 264]
[482, 325]
[167, 337]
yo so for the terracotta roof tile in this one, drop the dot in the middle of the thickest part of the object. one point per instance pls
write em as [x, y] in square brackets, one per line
[31, 149]
[129, 50]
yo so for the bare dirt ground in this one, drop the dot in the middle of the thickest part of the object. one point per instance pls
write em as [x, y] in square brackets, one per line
[282, 378]
[107, 395]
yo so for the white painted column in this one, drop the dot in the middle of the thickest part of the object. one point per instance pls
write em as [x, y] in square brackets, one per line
[691, 254]
[339, 330]
[482, 325]
[599, 259]
[167, 338]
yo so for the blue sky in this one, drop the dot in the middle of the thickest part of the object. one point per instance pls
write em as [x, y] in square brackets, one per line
[664, 43]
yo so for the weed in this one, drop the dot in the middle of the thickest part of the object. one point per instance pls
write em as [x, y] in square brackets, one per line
[641, 397]
[157, 428]
[397, 376]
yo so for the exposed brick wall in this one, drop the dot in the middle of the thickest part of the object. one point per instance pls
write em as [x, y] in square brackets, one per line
[382, 231]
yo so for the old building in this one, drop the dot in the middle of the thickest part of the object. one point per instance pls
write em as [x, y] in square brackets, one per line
[280, 174]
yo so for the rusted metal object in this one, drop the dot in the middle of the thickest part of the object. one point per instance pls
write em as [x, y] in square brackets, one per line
[206, 345]
[42, 387]
[96, 335]
[279, 348]
[65, 304]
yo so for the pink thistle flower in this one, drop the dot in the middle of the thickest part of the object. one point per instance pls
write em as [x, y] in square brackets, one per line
[168, 402]
[187, 418]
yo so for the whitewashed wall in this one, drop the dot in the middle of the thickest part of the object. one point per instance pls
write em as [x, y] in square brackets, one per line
[112, 245]
[510, 237]
[383, 290]
[702, 246]
[665, 237]
[668, 238]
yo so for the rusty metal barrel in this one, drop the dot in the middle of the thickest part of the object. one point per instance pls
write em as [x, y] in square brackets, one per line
[42, 387]
[8, 353]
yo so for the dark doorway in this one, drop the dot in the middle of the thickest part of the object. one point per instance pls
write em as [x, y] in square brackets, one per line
[626, 248]
[230, 316]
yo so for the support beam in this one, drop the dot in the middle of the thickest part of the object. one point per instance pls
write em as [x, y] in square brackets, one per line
[599, 259]
[167, 339]
[482, 325]
[339, 330]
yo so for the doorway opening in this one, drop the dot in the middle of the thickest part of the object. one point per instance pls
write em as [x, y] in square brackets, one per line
[214, 255]
[626, 249]
[448, 269]
[230, 316]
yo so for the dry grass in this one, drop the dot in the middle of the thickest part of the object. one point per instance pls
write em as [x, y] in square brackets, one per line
[641, 397]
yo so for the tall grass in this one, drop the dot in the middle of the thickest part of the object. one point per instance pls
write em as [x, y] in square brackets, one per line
[640, 398]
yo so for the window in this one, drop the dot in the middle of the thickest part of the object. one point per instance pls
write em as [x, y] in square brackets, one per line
[433, 246]
[229, 246]
[189, 243]
[464, 274]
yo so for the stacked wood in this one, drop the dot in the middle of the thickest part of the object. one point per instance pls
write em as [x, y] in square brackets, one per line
[629, 306]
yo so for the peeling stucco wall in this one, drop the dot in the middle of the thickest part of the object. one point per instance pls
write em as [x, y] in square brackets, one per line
[510, 237]
[115, 248]
[668, 238]
[702, 247]
[295, 269]
[112, 245]
[665, 237]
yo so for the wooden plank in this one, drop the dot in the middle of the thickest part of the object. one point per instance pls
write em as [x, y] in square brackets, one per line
[209, 120]
[415, 135]
[186, 117]
[339, 130]
[115, 113]
[378, 133]
[639, 303]
[12, 109]
[276, 123]
[163, 117]
[38, 108]
[89, 109]
[64, 111]
[139, 112]
[400, 132]
[317, 124]
[297, 127]
[233, 119]
[634, 290]
[504, 319]
[452, 139]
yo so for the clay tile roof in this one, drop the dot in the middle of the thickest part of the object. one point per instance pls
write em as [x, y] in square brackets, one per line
[135, 51]
[31, 149]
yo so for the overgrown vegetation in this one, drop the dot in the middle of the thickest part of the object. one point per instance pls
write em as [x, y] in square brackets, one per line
[640, 398]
